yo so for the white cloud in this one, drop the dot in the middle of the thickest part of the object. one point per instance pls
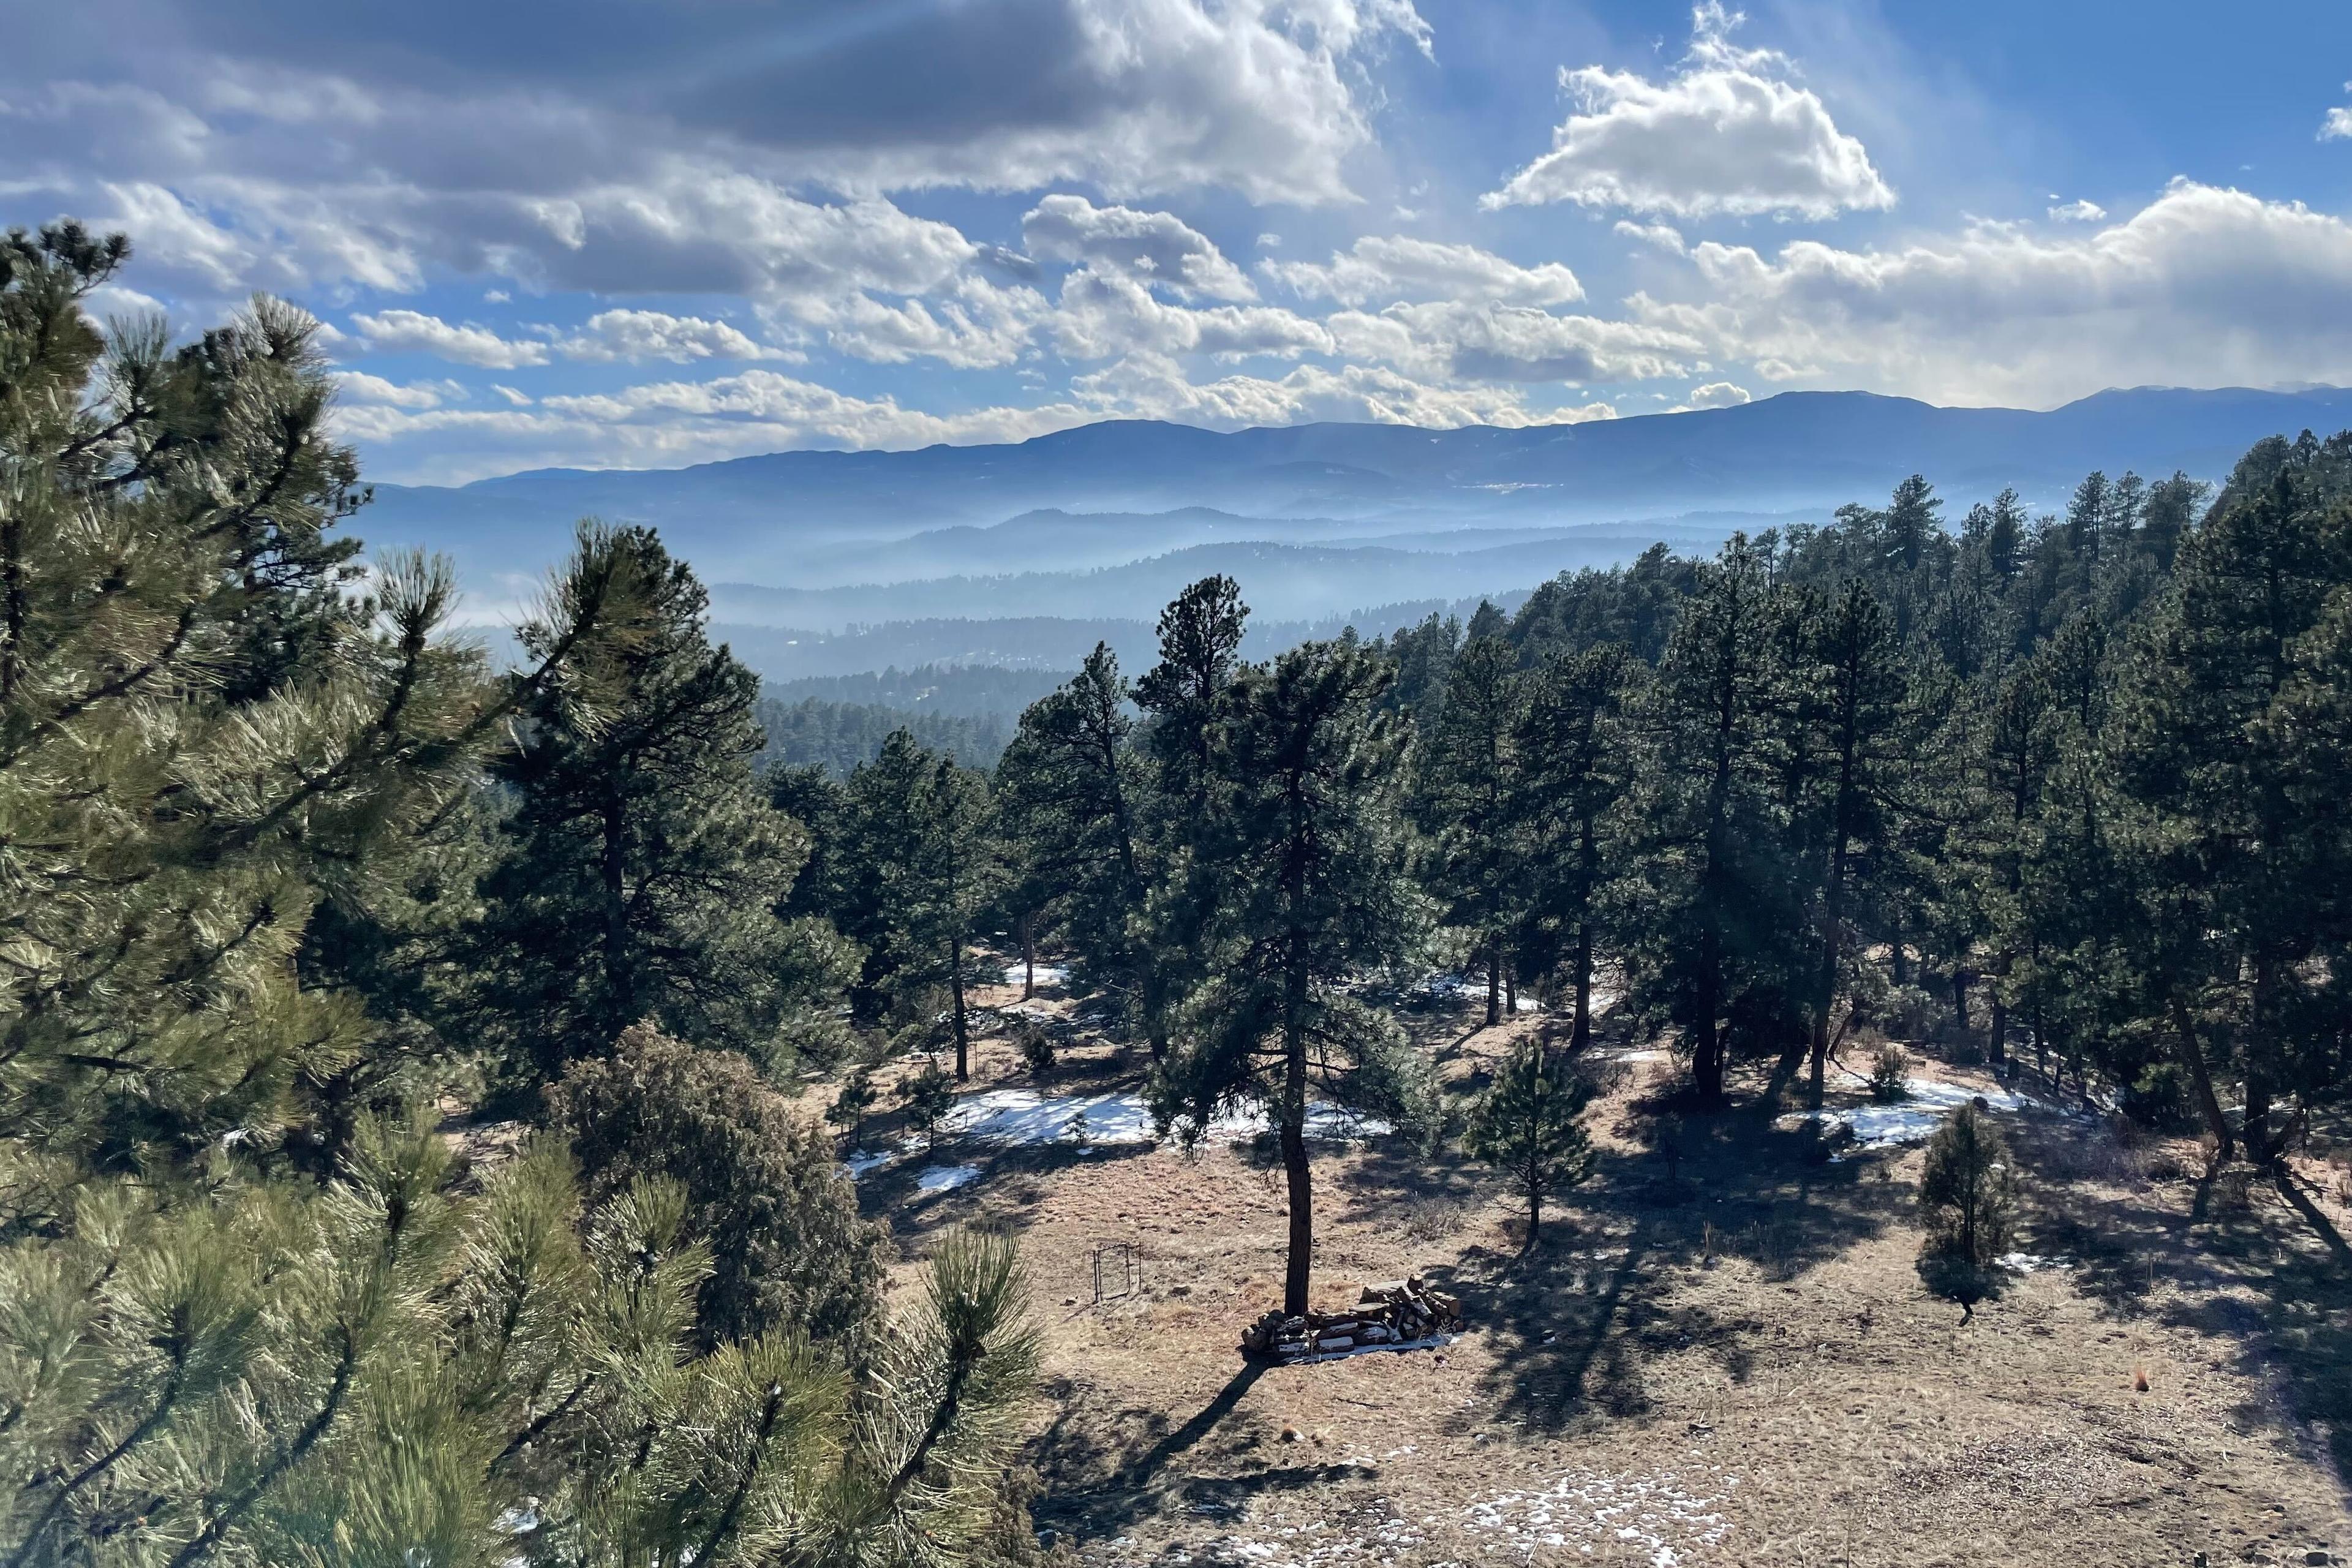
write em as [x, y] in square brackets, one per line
[1447, 340]
[1158, 247]
[2204, 286]
[1662, 236]
[515, 399]
[640, 335]
[1152, 387]
[1104, 315]
[669, 422]
[2337, 126]
[1730, 133]
[1714, 394]
[357, 386]
[1389, 269]
[411, 332]
[2080, 210]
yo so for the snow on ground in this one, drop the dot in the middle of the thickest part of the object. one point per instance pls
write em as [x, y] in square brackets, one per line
[1663, 1517]
[1911, 1121]
[1022, 1119]
[2030, 1262]
[1047, 974]
[1655, 1513]
[946, 1178]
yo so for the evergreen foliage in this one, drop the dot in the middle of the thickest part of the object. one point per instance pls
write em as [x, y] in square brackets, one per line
[1305, 843]
[645, 863]
[1967, 1188]
[254, 1305]
[759, 1181]
[1529, 1125]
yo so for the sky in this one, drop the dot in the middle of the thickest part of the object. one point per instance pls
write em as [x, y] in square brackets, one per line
[614, 233]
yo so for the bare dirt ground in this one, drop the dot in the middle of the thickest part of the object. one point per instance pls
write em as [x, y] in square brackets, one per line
[1734, 1364]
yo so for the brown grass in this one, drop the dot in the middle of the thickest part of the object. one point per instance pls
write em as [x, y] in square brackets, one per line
[1741, 1365]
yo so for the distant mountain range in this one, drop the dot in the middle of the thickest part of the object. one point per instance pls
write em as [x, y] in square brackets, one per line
[1105, 521]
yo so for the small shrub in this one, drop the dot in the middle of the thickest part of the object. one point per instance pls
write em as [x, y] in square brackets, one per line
[763, 1190]
[927, 1098]
[1037, 1053]
[1529, 1124]
[853, 1104]
[1967, 1189]
[1890, 1075]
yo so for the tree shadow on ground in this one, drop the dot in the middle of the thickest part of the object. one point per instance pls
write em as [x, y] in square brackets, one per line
[2225, 1255]
[1573, 1319]
[1094, 1494]
[1009, 1191]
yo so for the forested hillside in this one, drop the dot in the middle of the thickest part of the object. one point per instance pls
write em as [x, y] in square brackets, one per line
[425, 1090]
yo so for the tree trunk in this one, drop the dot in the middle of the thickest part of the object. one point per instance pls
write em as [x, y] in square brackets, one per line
[1960, 998]
[1493, 981]
[955, 1011]
[1511, 991]
[1581, 1032]
[620, 980]
[2258, 1117]
[1997, 1048]
[1299, 1176]
[1535, 1213]
[2201, 1076]
[1895, 948]
[1706, 1052]
[1028, 956]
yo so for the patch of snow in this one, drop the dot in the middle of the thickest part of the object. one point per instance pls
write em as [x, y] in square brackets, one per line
[2030, 1263]
[946, 1178]
[1023, 1118]
[1913, 1120]
[1047, 974]
[858, 1163]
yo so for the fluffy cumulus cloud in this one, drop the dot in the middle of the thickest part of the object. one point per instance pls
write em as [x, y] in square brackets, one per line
[1378, 269]
[1102, 314]
[415, 332]
[674, 422]
[2203, 286]
[1715, 395]
[1153, 247]
[1731, 133]
[1468, 340]
[639, 336]
[1158, 388]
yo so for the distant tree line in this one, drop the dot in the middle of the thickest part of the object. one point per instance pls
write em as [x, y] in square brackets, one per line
[840, 736]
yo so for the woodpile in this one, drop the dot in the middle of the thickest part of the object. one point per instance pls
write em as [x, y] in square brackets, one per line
[1402, 1315]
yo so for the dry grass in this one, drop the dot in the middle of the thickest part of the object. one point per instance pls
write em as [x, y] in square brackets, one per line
[1738, 1365]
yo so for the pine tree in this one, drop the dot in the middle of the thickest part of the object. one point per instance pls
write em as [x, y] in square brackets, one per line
[925, 830]
[2204, 755]
[1573, 744]
[643, 864]
[1076, 797]
[1307, 851]
[1856, 665]
[1707, 878]
[1530, 1124]
[1968, 1187]
[1469, 774]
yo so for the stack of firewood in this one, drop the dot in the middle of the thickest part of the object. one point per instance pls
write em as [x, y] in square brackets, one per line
[1399, 1315]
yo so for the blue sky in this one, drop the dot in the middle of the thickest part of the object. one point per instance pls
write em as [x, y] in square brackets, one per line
[613, 233]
